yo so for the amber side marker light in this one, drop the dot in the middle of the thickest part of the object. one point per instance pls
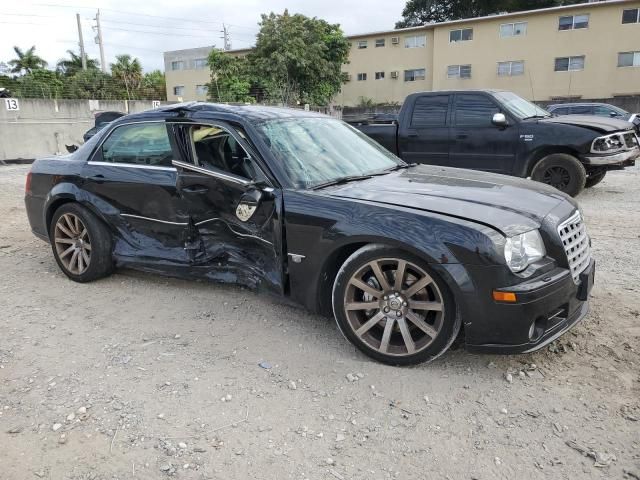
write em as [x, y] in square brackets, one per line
[504, 296]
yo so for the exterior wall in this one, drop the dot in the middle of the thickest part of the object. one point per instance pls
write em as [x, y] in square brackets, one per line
[600, 43]
[543, 42]
[386, 59]
[44, 127]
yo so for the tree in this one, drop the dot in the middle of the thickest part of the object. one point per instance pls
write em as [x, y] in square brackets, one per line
[420, 12]
[299, 58]
[73, 64]
[40, 83]
[27, 61]
[128, 71]
[230, 77]
[92, 84]
[154, 86]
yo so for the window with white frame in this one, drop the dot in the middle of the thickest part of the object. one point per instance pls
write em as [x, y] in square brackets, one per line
[362, 76]
[178, 90]
[379, 75]
[415, 74]
[380, 42]
[415, 41]
[516, 29]
[631, 15]
[459, 71]
[629, 59]
[201, 89]
[569, 64]
[510, 68]
[362, 44]
[573, 22]
[461, 35]
[177, 65]
[200, 63]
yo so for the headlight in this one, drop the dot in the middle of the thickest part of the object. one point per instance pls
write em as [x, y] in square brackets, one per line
[608, 144]
[524, 249]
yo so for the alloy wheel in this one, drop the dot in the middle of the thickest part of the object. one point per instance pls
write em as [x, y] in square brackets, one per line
[394, 306]
[72, 243]
[557, 177]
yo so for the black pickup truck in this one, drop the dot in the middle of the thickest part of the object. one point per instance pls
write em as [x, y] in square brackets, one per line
[498, 131]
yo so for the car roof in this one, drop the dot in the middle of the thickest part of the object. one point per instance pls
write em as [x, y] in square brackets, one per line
[241, 113]
[581, 104]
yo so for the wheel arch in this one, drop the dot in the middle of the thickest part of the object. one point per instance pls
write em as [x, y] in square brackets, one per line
[543, 152]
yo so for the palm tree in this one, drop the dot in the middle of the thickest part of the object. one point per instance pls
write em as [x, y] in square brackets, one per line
[26, 61]
[73, 64]
[128, 71]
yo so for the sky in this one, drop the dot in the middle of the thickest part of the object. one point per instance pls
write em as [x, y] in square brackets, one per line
[146, 29]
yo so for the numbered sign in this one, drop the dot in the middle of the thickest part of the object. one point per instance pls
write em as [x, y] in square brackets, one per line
[155, 104]
[11, 104]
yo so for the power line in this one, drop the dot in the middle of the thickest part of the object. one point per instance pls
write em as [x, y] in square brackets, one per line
[158, 33]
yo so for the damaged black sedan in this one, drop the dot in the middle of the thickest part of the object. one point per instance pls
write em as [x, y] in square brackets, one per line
[305, 206]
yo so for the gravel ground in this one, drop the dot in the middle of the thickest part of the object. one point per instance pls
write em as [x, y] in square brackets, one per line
[140, 376]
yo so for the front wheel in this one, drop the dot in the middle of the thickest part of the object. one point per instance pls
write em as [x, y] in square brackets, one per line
[562, 171]
[393, 307]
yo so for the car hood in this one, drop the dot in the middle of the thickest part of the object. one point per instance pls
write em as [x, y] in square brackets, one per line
[599, 124]
[508, 204]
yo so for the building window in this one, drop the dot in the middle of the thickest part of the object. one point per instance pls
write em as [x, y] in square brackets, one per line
[379, 42]
[629, 59]
[379, 75]
[459, 71]
[573, 22]
[179, 90]
[631, 15]
[415, 41]
[362, 44]
[362, 76]
[201, 89]
[461, 35]
[569, 64]
[510, 68]
[513, 29]
[414, 74]
[177, 65]
[200, 63]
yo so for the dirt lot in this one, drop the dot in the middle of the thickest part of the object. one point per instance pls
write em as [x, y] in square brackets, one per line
[139, 376]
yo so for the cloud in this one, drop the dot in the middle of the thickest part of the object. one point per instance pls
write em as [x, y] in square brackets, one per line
[145, 30]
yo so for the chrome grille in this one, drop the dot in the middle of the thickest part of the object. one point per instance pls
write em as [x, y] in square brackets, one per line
[573, 233]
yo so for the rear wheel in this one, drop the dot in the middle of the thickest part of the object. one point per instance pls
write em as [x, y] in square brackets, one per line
[562, 171]
[81, 243]
[594, 179]
[393, 307]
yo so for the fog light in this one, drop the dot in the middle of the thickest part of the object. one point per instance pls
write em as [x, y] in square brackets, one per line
[504, 296]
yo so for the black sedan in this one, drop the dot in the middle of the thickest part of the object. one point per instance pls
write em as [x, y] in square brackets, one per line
[303, 205]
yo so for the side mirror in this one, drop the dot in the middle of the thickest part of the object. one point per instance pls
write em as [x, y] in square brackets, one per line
[499, 120]
[248, 204]
[613, 114]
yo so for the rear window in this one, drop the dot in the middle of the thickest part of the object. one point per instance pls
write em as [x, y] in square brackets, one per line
[430, 111]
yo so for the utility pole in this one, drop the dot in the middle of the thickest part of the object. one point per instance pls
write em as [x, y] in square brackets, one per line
[225, 37]
[81, 42]
[103, 65]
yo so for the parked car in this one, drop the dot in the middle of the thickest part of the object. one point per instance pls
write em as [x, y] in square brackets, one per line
[305, 206]
[598, 109]
[500, 132]
[101, 120]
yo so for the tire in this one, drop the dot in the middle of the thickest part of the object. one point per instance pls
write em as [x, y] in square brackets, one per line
[394, 323]
[562, 171]
[81, 243]
[594, 179]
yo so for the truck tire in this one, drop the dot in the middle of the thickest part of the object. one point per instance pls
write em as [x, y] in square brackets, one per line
[594, 179]
[562, 171]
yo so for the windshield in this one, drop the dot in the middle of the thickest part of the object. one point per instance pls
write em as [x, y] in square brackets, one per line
[313, 151]
[520, 107]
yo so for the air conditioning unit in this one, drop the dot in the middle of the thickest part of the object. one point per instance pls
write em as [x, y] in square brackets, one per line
[395, 40]
[395, 74]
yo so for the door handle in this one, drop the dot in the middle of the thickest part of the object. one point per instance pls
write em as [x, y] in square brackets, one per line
[462, 136]
[195, 189]
[412, 135]
[99, 178]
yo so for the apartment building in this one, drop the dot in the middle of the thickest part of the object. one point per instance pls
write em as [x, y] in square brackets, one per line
[588, 51]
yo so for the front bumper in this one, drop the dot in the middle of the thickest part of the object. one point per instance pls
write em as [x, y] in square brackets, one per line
[547, 307]
[626, 158]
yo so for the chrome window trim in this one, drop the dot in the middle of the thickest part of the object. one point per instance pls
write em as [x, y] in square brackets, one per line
[205, 171]
[139, 217]
[131, 165]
